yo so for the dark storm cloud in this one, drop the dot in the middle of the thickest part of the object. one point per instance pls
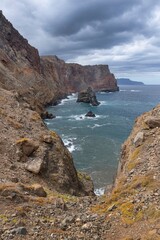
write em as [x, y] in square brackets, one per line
[123, 33]
[90, 13]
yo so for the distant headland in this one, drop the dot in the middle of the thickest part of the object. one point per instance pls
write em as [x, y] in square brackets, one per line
[127, 81]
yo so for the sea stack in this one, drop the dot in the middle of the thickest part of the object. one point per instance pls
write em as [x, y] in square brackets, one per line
[88, 96]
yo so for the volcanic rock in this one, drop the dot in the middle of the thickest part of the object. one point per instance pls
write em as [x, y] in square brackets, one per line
[90, 114]
[47, 115]
[88, 96]
[153, 122]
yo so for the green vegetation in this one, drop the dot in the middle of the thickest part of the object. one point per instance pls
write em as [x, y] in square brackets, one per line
[129, 213]
[83, 176]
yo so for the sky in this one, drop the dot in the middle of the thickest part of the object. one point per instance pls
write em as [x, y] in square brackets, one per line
[125, 34]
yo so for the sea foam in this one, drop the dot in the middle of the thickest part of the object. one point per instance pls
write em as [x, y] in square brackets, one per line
[99, 191]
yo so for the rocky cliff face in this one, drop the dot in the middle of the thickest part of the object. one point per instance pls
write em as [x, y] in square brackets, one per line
[42, 80]
[27, 84]
[133, 205]
[74, 77]
[30, 154]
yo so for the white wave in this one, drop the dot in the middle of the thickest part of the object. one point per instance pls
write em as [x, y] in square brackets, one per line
[69, 143]
[135, 90]
[71, 148]
[99, 125]
[76, 117]
[73, 96]
[123, 90]
[63, 101]
[100, 116]
[48, 123]
[103, 103]
[83, 117]
[96, 117]
[99, 191]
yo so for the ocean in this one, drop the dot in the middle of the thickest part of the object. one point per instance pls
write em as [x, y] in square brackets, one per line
[95, 143]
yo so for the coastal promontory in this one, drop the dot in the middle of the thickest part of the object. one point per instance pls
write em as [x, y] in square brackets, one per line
[42, 196]
[127, 81]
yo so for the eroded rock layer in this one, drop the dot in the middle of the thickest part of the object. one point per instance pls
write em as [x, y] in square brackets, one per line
[133, 207]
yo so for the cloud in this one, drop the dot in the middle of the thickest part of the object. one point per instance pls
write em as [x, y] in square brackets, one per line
[124, 34]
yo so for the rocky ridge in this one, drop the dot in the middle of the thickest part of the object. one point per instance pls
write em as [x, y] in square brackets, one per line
[133, 205]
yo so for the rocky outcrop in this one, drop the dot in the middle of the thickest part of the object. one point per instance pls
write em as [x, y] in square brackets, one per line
[30, 152]
[88, 96]
[133, 203]
[90, 114]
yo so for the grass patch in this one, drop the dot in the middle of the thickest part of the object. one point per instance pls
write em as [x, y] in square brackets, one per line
[54, 135]
[22, 140]
[3, 218]
[135, 153]
[144, 181]
[132, 164]
[83, 176]
[152, 213]
[129, 214]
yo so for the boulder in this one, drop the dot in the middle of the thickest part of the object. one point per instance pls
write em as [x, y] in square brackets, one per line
[153, 122]
[88, 96]
[90, 114]
[34, 166]
[139, 138]
[39, 191]
[26, 147]
[47, 115]
[35, 190]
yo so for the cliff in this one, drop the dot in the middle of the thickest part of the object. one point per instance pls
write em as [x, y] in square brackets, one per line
[132, 207]
[72, 77]
[29, 151]
[36, 166]
[42, 80]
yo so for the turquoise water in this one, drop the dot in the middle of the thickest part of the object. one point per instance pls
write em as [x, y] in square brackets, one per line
[95, 143]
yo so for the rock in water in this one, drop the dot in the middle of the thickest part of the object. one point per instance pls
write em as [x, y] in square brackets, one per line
[88, 96]
[47, 115]
[90, 114]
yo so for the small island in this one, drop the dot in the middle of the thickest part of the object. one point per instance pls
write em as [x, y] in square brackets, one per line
[127, 81]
